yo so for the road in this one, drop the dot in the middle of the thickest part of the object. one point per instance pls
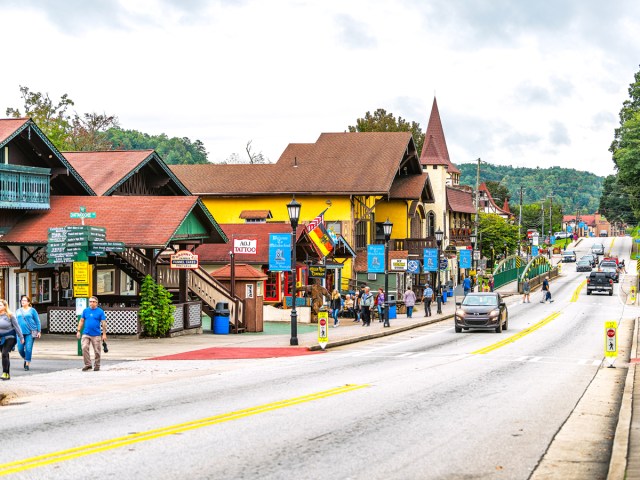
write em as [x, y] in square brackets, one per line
[427, 403]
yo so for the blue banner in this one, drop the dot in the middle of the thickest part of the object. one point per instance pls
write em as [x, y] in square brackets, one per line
[465, 258]
[569, 229]
[553, 240]
[280, 252]
[413, 266]
[534, 251]
[430, 259]
[375, 258]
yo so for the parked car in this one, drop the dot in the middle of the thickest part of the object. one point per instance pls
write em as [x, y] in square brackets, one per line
[583, 265]
[597, 249]
[481, 310]
[568, 256]
[599, 282]
[610, 268]
[562, 235]
[592, 258]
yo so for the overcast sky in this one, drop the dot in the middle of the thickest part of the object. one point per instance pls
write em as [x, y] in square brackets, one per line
[522, 83]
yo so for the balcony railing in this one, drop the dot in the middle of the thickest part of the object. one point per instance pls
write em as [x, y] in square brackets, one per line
[24, 187]
[415, 246]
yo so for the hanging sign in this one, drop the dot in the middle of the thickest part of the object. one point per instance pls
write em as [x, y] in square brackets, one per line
[465, 258]
[249, 247]
[280, 252]
[184, 259]
[375, 258]
[430, 259]
[317, 271]
[399, 264]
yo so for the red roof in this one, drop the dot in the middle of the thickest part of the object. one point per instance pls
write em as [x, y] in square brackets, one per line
[136, 221]
[587, 219]
[242, 272]
[460, 200]
[8, 126]
[103, 169]
[412, 187]
[8, 259]
[434, 149]
[483, 188]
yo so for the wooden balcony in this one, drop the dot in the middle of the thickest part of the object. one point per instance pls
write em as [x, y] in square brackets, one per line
[24, 187]
[415, 246]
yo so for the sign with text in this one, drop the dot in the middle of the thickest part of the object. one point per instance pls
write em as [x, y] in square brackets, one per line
[399, 264]
[430, 259]
[375, 258]
[319, 271]
[81, 291]
[465, 258]
[611, 339]
[82, 214]
[80, 273]
[184, 259]
[249, 247]
[280, 252]
[323, 328]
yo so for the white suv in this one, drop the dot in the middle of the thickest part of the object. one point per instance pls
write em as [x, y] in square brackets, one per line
[597, 249]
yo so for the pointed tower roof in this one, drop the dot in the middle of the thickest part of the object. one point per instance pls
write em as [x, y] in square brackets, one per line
[434, 149]
[505, 207]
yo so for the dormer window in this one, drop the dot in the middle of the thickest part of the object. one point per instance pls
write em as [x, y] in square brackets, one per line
[255, 216]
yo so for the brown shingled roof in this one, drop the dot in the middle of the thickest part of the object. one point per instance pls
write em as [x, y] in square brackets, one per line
[255, 214]
[460, 201]
[8, 126]
[136, 221]
[412, 187]
[7, 258]
[242, 271]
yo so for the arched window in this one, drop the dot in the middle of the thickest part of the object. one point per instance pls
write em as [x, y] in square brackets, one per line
[431, 224]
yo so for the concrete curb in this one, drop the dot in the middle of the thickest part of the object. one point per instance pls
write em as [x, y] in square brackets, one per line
[620, 447]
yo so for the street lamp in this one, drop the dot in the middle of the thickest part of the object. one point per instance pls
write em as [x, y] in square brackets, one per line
[386, 227]
[505, 249]
[473, 239]
[439, 236]
[493, 254]
[294, 215]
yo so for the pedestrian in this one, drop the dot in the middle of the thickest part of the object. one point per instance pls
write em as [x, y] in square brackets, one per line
[526, 291]
[29, 322]
[366, 304]
[92, 327]
[466, 285]
[380, 304]
[491, 283]
[336, 304]
[348, 306]
[356, 306]
[427, 297]
[9, 329]
[546, 292]
[409, 299]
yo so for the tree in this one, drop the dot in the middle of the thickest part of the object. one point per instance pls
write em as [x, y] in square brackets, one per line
[89, 132]
[156, 310]
[381, 121]
[499, 192]
[496, 230]
[615, 203]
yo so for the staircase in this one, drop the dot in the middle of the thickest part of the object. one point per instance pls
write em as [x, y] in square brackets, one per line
[200, 283]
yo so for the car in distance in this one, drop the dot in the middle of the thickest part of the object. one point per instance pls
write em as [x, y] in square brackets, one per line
[568, 256]
[583, 265]
[599, 282]
[562, 235]
[485, 310]
[597, 249]
[591, 257]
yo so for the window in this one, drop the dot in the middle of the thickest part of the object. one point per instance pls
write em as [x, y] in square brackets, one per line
[361, 235]
[127, 284]
[105, 282]
[260, 288]
[44, 290]
[431, 224]
[271, 287]
[336, 227]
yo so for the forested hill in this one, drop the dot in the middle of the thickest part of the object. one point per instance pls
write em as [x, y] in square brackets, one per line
[573, 189]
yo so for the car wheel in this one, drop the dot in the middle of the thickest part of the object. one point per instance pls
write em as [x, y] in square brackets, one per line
[588, 292]
[499, 327]
[457, 329]
[506, 323]
[610, 293]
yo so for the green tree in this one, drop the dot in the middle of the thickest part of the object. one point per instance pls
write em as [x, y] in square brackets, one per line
[175, 151]
[615, 203]
[495, 231]
[498, 191]
[381, 121]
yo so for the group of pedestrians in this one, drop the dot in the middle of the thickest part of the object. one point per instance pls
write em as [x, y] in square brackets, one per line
[545, 290]
[21, 328]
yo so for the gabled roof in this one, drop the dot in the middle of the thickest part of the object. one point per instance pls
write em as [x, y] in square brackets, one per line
[105, 171]
[434, 148]
[242, 271]
[483, 188]
[7, 258]
[35, 144]
[338, 163]
[146, 222]
[413, 187]
[255, 214]
[460, 201]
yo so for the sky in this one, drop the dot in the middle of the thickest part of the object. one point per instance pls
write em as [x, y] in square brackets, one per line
[527, 84]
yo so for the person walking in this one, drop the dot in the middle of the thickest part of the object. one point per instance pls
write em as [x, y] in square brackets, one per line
[526, 291]
[29, 322]
[336, 304]
[409, 299]
[380, 305]
[427, 298]
[356, 307]
[491, 283]
[466, 285]
[92, 327]
[366, 304]
[546, 292]
[9, 329]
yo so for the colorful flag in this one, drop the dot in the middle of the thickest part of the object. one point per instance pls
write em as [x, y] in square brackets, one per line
[319, 220]
[321, 240]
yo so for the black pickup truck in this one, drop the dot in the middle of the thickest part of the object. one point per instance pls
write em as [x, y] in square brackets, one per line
[599, 282]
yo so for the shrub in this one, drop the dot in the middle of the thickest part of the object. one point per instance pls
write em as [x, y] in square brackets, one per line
[156, 310]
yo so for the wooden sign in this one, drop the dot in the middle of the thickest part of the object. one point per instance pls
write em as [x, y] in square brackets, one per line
[184, 259]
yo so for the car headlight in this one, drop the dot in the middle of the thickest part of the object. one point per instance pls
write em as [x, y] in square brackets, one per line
[460, 313]
[494, 313]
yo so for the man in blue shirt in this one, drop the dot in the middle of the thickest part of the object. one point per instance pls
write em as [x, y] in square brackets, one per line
[466, 284]
[94, 324]
[427, 297]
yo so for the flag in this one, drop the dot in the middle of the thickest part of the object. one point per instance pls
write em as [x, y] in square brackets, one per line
[321, 240]
[319, 220]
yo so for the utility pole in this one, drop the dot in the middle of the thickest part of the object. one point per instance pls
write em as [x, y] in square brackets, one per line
[550, 223]
[520, 223]
[542, 216]
[477, 197]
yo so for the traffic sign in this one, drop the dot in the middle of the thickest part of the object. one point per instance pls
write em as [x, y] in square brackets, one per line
[611, 339]
[443, 264]
[323, 328]
[82, 215]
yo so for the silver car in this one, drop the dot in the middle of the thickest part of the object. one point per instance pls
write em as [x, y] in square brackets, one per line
[597, 249]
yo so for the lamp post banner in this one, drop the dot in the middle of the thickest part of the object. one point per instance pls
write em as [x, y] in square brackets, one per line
[430, 259]
[375, 258]
[280, 252]
[465, 258]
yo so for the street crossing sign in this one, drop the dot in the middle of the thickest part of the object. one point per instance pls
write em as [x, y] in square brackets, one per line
[323, 330]
[611, 339]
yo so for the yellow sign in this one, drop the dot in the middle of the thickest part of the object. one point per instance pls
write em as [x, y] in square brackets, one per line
[323, 328]
[472, 273]
[81, 273]
[610, 339]
[81, 291]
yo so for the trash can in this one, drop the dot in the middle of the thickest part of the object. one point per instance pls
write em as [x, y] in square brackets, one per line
[221, 319]
[392, 306]
[444, 296]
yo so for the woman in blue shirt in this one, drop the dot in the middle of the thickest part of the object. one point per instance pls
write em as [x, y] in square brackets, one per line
[29, 322]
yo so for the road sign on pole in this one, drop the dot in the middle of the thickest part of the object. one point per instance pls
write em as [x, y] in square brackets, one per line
[611, 340]
[323, 330]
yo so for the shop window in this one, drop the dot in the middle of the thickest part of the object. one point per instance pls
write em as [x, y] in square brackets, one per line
[105, 282]
[44, 290]
[271, 286]
[127, 284]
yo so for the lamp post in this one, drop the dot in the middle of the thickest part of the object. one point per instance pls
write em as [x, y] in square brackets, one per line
[439, 236]
[294, 215]
[493, 255]
[386, 227]
[473, 239]
[505, 249]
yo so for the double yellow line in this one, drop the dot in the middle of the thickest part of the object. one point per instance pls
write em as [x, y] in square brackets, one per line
[517, 336]
[576, 293]
[92, 448]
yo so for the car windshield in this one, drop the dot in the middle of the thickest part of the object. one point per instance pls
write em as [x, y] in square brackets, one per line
[569, 254]
[608, 265]
[584, 262]
[597, 246]
[480, 300]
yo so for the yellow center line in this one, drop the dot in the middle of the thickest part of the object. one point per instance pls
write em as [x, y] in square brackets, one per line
[92, 448]
[517, 336]
[576, 293]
